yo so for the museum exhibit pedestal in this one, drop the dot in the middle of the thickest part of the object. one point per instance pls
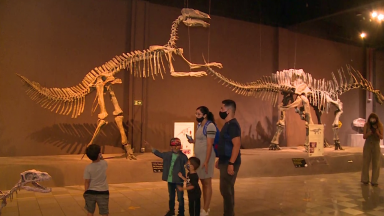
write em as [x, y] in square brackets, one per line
[357, 140]
[67, 170]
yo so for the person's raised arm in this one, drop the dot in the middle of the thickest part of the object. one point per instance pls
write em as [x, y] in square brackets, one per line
[154, 151]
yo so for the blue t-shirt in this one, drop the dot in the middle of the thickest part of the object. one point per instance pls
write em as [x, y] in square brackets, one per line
[230, 130]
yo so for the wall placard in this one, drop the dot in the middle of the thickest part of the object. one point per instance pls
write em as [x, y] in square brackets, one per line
[299, 162]
[157, 167]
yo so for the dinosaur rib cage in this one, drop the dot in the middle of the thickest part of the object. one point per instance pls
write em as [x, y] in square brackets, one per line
[268, 87]
[72, 100]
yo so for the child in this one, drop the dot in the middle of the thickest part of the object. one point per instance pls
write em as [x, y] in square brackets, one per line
[96, 186]
[173, 163]
[194, 191]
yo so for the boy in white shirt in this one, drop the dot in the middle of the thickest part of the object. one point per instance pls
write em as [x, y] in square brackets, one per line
[96, 186]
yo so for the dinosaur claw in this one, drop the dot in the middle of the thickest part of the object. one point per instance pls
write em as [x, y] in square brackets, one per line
[215, 64]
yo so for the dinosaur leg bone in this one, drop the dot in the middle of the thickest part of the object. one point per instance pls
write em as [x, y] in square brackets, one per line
[100, 124]
[335, 126]
[318, 115]
[307, 111]
[275, 140]
[100, 97]
[118, 113]
[103, 112]
[281, 123]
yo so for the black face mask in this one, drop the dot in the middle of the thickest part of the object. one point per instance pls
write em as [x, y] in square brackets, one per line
[200, 119]
[223, 115]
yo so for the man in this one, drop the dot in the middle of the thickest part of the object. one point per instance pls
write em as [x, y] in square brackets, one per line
[229, 155]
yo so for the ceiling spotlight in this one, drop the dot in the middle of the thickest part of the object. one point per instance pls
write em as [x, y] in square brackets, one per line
[362, 35]
[380, 17]
[374, 14]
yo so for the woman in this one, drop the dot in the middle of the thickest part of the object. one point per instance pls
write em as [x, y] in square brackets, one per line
[203, 149]
[373, 132]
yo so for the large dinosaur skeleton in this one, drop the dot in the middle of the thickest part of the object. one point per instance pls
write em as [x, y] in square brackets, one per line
[300, 91]
[146, 63]
[29, 176]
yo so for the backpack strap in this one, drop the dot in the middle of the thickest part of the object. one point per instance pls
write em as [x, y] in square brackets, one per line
[205, 127]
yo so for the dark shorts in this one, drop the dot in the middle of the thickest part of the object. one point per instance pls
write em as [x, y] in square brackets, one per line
[102, 201]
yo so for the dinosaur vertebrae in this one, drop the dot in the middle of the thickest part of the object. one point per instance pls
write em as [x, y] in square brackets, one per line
[72, 100]
[268, 87]
[174, 27]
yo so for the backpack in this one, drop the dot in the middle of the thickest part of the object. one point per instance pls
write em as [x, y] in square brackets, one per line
[217, 137]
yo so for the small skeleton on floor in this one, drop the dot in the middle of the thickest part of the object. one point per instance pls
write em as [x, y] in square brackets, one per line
[29, 176]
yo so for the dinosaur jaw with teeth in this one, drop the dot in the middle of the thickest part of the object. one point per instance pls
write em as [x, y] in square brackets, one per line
[33, 177]
[195, 18]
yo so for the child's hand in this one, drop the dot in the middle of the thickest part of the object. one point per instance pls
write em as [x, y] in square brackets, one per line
[180, 175]
[179, 188]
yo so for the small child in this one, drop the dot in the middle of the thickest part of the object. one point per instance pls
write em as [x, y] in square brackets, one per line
[193, 187]
[173, 163]
[96, 186]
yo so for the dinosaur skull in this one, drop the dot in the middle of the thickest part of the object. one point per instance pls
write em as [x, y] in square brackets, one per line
[194, 18]
[379, 96]
[35, 176]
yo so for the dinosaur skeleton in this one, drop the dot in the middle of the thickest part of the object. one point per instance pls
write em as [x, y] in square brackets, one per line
[146, 63]
[300, 91]
[29, 176]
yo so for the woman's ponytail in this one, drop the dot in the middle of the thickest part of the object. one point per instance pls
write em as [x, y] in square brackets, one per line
[211, 118]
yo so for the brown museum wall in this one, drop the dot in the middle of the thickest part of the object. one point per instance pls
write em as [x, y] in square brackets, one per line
[378, 81]
[56, 44]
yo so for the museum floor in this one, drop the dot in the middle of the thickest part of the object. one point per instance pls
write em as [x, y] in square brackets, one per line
[326, 194]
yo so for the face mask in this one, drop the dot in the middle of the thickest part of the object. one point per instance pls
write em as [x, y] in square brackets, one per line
[200, 119]
[223, 115]
[175, 150]
[187, 166]
[372, 121]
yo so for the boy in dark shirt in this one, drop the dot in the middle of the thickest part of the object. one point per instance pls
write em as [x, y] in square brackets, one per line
[194, 191]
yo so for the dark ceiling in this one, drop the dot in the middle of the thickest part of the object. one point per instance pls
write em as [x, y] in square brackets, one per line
[338, 20]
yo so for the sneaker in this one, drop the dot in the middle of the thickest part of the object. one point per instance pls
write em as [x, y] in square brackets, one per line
[169, 213]
[204, 213]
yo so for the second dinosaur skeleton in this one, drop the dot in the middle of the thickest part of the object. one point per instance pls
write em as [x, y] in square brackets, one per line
[29, 176]
[300, 91]
[146, 63]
